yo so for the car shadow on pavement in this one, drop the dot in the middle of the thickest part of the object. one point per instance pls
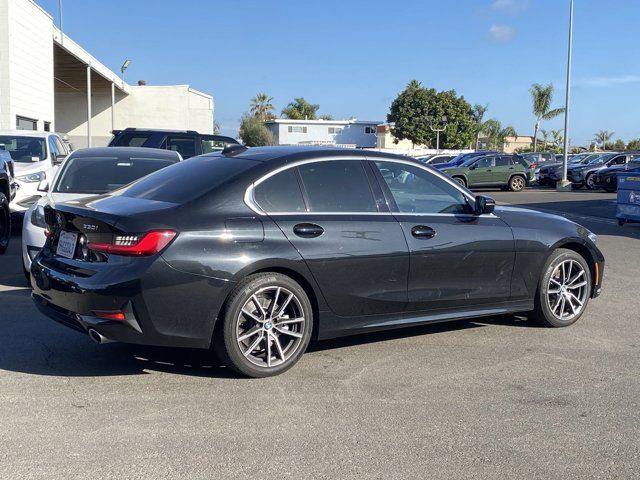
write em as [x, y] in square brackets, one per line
[39, 346]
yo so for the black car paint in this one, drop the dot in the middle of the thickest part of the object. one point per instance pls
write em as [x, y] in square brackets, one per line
[364, 273]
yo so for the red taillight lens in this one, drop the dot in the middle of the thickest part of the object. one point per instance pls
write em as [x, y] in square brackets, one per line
[117, 316]
[135, 245]
[533, 166]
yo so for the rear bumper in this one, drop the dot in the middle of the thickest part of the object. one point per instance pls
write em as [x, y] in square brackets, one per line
[163, 306]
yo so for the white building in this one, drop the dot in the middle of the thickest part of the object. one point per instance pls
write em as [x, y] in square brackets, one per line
[351, 133]
[48, 82]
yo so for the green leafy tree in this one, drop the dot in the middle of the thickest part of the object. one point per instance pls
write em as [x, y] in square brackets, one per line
[542, 97]
[634, 144]
[496, 134]
[326, 117]
[557, 138]
[602, 137]
[619, 145]
[254, 133]
[262, 106]
[300, 109]
[545, 138]
[416, 111]
[478, 112]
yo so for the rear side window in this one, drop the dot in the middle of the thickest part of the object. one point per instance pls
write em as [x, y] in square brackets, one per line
[185, 146]
[503, 161]
[186, 181]
[280, 193]
[132, 139]
[337, 186]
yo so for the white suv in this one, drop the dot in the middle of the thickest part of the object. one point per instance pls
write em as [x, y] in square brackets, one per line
[36, 156]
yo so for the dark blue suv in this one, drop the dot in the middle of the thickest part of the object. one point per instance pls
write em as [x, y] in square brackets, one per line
[188, 143]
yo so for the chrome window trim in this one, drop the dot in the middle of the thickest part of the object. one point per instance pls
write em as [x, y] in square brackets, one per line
[250, 201]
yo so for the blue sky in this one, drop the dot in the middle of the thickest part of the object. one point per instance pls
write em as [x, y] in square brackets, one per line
[354, 56]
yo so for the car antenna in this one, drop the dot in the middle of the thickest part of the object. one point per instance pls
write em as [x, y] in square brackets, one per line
[233, 149]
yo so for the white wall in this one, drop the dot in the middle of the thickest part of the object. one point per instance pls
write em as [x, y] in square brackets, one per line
[26, 63]
[351, 134]
[174, 107]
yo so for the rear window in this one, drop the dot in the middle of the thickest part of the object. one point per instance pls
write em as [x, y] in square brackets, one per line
[133, 139]
[188, 180]
[97, 175]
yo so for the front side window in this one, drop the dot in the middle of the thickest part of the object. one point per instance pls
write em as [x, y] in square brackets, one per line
[131, 139]
[53, 148]
[418, 191]
[337, 186]
[24, 149]
[280, 193]
[210, 145]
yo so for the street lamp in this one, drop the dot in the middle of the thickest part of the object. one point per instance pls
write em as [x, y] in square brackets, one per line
[124, 66]
[564, 183]
[438, 130]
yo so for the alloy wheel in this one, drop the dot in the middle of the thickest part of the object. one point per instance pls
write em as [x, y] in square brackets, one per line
[590, 184]
[517, 183]
[567, 290]
[270, 326]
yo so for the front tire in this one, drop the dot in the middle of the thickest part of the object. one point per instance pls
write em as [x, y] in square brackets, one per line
[5, 223]
[461, 181]
[267, 325]
[588, 182]
[563, 291]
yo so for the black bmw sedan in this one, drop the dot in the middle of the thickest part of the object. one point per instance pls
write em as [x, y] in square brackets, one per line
[255, 251]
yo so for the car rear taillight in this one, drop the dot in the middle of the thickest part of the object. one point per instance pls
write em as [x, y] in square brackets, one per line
[110, 315]
[533, 166]
[136, 245]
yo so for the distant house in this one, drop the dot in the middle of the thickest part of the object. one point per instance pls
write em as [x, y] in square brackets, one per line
[346, 133]
[511, 144]
[386, 140]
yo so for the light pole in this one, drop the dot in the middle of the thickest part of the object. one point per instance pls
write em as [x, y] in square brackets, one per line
[564, 185]
[124, 66]
[438, 130]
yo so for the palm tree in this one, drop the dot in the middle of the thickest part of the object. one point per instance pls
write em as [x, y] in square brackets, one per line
[542, 97]
[603, 136]
[492, 128]
[558, 138]
[545, 138]
[262, 107]
[478, 112]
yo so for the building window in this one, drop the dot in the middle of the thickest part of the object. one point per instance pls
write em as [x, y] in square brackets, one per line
[369, 130]
[24, 123]
[293, 129]
[47, 126]
[334, 130]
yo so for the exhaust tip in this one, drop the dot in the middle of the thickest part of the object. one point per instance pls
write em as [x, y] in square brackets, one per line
[97, 337]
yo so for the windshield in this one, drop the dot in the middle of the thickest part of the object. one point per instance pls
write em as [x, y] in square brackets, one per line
[98, 175]
[600, 159]
[24, 149]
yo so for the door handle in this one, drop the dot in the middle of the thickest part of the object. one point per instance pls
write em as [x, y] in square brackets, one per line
[422, 231]
[308, 230]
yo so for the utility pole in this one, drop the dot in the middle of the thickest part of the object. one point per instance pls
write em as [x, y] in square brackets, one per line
[438, 130]
[60, 21]
[564, 184]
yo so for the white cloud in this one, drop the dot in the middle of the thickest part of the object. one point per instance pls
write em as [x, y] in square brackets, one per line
[511, 6]
[608, 81]
[501, 33]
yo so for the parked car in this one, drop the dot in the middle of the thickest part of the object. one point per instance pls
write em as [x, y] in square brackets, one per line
[550, 173]
[537, 160]
[434, 160]
[258, 250]
[187, 143]
[582, 175]
[36, 156]
[7, 193]
[463, 157]
[607, 179]
[87, 172]
[504, 171]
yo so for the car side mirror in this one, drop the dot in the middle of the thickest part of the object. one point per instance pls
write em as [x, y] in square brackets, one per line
[43, 186]
[484, 205]
[58, 159]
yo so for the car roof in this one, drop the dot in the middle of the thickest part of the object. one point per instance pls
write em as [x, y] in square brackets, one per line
[125, 152]
[289, 153]
[27, 133]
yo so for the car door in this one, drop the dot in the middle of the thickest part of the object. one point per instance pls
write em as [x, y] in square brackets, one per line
[457, 259]
[353, 246]
[481, 172]
[502, 170]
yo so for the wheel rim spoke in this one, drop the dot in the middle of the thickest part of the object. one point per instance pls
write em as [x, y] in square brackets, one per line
[289, 321]
[276, 341]
[567, 290]
[578, 285]
[274, 304]
[289, 332]
[253, 345]
[249, 334]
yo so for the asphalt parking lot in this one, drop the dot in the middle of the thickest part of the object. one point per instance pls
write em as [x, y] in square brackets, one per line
[497, 398]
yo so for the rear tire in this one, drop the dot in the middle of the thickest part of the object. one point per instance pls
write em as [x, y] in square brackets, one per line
[588, 182]
[5, 223]
[461, 181]
[563, 290]
[517, 183]
[266, 325]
